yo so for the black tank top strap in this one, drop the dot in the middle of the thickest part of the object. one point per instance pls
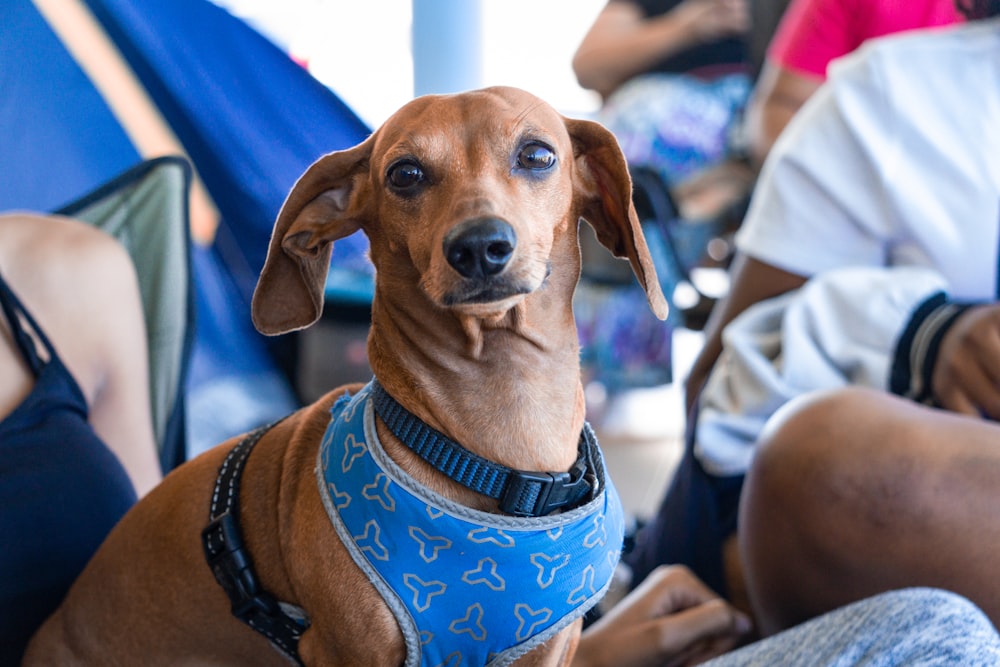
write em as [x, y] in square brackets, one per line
[12, 308]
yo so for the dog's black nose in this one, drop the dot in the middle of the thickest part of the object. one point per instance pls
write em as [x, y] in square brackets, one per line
[480, 248]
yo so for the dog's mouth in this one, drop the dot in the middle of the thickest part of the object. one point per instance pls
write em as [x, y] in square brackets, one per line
[485, 268]
[491, 292]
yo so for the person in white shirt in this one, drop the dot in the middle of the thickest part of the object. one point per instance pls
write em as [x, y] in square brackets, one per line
[873, 230]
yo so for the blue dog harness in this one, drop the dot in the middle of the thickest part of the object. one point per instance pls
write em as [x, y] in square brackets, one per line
[466, 587]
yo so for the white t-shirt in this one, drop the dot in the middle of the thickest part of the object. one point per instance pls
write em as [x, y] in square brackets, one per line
[895, 162]
[839, 329]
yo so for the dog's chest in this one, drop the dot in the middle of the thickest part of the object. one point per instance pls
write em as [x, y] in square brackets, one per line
[466, 587]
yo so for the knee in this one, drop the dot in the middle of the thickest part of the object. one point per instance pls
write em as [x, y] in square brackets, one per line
[785, 511]
[843, 447]
[798, 443]
[817, 439]
[814, 419]
[817, 478]
[831, 455]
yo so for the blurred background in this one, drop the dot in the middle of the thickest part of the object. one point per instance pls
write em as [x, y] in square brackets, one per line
[392, 52]
[364, 50]
[244, 95]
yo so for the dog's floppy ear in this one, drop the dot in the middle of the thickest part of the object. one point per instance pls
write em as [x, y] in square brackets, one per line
[322, 207]
[604, 191]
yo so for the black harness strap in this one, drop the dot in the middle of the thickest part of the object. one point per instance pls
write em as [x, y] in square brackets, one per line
[282, 623]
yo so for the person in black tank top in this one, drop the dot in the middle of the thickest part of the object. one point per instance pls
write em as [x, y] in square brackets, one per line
[62, 488]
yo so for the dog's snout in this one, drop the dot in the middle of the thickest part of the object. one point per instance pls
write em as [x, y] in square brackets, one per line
[480, 248]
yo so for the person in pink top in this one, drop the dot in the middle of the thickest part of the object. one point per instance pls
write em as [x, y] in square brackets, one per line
[811, 34]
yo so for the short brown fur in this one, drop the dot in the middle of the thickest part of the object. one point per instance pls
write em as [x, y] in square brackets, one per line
[500, 377]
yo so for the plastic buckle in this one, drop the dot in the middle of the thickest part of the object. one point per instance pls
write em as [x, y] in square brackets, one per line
[540, 493]
[527, 493]
[232, 568]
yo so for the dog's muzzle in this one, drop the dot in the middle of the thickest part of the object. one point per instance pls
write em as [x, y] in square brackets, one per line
[480, 248]
[481, 251]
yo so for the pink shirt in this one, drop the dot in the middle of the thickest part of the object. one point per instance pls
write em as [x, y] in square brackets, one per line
[814, 32]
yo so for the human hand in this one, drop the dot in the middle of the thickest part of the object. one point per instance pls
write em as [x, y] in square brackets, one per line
[966, 376]
[671, 619]
[711, 20]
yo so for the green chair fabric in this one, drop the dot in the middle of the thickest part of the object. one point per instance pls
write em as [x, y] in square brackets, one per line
[146, 209]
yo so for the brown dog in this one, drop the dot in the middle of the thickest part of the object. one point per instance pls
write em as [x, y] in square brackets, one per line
[472, 204]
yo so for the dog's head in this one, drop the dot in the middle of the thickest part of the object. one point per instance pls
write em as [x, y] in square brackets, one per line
[470, 196]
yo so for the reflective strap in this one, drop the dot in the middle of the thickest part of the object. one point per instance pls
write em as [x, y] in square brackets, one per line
[230, 562]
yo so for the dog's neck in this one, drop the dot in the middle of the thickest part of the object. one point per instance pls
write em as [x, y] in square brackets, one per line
[506, 389]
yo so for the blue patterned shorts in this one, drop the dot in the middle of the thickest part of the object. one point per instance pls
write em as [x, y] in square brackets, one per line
[677, 124]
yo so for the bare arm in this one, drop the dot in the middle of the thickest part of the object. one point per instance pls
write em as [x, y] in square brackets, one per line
[87, 301]
[778, 95]
[622, 43]
[750, 281]
[120, 409]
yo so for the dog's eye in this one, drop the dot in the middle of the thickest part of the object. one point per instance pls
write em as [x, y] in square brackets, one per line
[536, 156]
[405, 174]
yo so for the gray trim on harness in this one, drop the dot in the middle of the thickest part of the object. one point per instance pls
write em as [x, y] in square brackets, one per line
[405, 622]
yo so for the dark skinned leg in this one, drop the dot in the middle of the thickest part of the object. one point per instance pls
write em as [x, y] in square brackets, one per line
[856, 492]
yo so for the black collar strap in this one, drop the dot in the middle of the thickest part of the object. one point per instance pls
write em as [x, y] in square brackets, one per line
[521, 493]
[282, 623]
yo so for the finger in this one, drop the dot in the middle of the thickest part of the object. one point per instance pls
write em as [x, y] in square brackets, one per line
[987, 349]
[665, 590]
[983, 392]
[958, 401]
[678, 588]
[968, 388]
[969, 363]
[712, 621]
[989, 407]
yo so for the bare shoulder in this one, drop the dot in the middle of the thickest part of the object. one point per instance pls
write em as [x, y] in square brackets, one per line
[79, 284]
[58, 240]
[51, 258]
